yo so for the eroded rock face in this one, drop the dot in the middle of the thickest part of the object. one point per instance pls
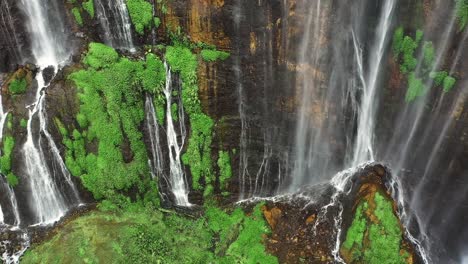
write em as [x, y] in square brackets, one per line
[302, 233]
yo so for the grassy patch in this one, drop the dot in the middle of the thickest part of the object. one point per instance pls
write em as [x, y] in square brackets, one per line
[141, 234]
[89, 7]
[210, 55]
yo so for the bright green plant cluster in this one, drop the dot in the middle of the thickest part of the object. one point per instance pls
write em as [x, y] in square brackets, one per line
[141, 234]
[18, 86]
[89, 7]
[157, 22]
[76, 13]
[461, 10]
[111, 113]
[210, 55]
[6, 160]
[416, 88]
[141, 13]
[404, 47]
[375, 235]
[239, 236]
[225, 169]
[198, 154]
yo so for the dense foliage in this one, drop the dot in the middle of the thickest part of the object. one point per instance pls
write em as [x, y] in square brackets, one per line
[141, 13]
[111, 113]
[419, 70]
[375, 235]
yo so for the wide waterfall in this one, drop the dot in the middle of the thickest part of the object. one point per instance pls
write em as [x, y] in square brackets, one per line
[269, 131]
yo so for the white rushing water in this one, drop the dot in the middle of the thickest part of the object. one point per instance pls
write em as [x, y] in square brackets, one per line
[364, 145]
[48, 47]
[115, 21]
[157, 161]
[178, 181]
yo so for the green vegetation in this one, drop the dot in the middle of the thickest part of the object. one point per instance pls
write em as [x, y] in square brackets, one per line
[23, 123]
[375, 235]
[225, 170]
[6, 160]
[141, 13]
[418, 73]
[76, 13]
[461, 9]
[18, 86]
[157, 22]
[449, 83]
[416, 88]
[111, 113]
[210, 55]
[142, 234]
[89, 7]
[198, 154]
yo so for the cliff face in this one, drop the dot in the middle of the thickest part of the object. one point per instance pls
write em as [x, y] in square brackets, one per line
[256, 97]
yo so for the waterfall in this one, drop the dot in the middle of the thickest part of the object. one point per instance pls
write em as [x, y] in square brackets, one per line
[115, 21]
[48, 46]
[157, 161]
[178, 181]
[8, 30]
[243, 155]
[309, 144]
[363, 147]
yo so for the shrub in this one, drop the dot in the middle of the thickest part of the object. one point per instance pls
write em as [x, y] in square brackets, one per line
[416, 88]
[449, 83]
[214, 55]
[76, 13]
[18, 86]
[89, 7]
[141, 13]
[461, 9]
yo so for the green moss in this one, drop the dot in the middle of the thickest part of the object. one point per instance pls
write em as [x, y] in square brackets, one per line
[141, 13]
[449, 83]
[23, 123]
[77, 15]
[12, 180]
[438, 77]
[89, 7]
[145, 235]
[18, 86]
[225, 170]
[7, 151]
[406, 47]
[398, 37]
[174, 112]
[375, 235]
[461, 9]
[429, 55]
[416, 88]
[157, 22]
[214, 55]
